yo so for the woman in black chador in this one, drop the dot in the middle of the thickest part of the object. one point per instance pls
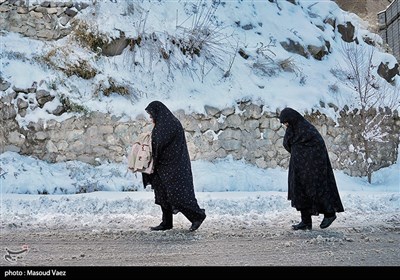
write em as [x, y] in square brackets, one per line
[311, 183]
[172, 179]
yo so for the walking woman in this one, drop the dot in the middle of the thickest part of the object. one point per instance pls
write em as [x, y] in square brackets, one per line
[172, 179]
[311, 183]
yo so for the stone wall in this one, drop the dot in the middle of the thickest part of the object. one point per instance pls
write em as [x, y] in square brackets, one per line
[46, 21]
[243, 132]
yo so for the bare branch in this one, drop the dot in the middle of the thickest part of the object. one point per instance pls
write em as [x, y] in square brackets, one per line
[376, 98]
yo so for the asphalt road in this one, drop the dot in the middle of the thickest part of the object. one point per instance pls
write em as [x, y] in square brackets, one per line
[239, 247]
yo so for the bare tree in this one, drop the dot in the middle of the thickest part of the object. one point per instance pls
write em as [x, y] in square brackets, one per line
[375, 97]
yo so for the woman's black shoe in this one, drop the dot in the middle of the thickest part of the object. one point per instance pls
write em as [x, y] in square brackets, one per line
[326, 222]
[197, 224]
[302, 226]
[161, 227]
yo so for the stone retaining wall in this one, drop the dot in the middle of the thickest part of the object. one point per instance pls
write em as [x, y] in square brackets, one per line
[243, 132]
[46, 21]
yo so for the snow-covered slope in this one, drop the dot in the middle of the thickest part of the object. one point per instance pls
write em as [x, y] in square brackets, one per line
[241, 56]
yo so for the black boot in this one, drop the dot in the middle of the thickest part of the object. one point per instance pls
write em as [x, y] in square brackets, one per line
[306, 222]
[302, 226]
[197, 223]
[328, 220]
[166, 220]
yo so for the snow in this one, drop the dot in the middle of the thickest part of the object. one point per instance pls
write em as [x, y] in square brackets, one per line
[231, 191]
[37, 195]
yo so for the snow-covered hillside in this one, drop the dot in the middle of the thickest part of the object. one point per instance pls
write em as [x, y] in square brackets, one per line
[234, 52]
